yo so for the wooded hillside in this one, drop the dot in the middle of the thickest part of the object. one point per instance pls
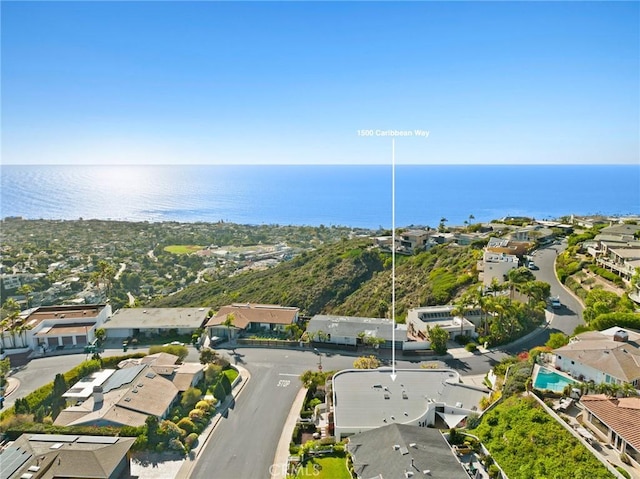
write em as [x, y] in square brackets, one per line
[349, 277]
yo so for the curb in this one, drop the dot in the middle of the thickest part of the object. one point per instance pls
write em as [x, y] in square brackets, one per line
[12, 385]
[192, 459]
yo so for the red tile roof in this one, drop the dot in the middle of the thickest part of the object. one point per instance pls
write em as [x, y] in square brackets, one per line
[254, 313]
[620, 414]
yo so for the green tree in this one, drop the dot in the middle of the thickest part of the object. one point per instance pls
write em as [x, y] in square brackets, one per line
[557, 340]
[212, 373]
[57, 401]
[207, 356]
[190, 398]
[438, 338]
[26, 291]
[218, 391]
[226, 384]
[100, 334]
[229, 323]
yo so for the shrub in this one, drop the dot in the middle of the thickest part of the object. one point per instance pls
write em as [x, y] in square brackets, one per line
[191, 441]
[196, 414]
[203, 405]
[190, 398]
[313, 403]
[176, 445]
[471, 347]
[186, 425]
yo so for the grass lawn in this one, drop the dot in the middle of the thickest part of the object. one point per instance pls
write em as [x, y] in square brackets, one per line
[333, 466]
[231, 373]
[182, 248]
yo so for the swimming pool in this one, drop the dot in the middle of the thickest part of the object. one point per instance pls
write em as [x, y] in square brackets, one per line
[547, 379]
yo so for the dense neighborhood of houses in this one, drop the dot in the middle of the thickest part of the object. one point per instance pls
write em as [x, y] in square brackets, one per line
[391, 423]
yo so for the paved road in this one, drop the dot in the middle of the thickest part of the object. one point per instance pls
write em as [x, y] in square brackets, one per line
[39, 372]
[565, 319]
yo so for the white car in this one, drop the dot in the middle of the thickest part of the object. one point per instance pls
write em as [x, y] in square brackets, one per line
[555, 302]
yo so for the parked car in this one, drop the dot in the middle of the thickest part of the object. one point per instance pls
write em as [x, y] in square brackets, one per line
[532, 265]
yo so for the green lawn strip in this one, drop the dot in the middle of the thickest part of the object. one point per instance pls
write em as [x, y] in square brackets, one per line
[231, 373]
[182, 248]
[331, 466]
[527, 443]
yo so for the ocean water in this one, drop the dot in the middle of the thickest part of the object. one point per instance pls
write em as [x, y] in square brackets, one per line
[358, 196]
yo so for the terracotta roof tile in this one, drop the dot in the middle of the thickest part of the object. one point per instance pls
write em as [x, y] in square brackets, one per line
[621, 415]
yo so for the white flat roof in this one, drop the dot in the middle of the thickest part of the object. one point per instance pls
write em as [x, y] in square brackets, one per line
[366, 398]
[84, 388]
[162, 318]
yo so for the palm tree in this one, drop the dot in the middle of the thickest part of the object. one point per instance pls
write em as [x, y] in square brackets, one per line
[228, 322]
[25, 290]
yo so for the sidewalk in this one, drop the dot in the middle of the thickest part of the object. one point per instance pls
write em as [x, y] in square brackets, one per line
[279, 468]
[190, 462]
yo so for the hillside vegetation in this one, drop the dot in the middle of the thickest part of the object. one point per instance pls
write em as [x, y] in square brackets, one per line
[349, 277]
[529, 444]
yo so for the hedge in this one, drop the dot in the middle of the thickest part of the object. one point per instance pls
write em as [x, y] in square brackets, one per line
[39, 428]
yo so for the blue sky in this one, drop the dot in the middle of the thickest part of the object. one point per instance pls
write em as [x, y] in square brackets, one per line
[292, 82]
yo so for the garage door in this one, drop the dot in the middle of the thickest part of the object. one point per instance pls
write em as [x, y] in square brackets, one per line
[81, 340]
[67, 340]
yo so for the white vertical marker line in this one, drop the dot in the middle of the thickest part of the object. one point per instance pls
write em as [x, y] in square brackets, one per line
[393, 259]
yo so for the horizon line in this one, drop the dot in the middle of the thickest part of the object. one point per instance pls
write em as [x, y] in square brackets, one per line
[318, 164]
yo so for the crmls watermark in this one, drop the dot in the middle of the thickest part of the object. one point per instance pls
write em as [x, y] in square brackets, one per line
[281, 471]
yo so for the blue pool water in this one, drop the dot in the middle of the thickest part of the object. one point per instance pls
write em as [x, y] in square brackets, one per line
[551, 380]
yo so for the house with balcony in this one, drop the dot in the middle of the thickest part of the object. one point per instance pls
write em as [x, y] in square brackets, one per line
[508, 246]
[57, 327]
[611, 356]
[419, 320]
[496, 266]
[411, 240]
[616, 420]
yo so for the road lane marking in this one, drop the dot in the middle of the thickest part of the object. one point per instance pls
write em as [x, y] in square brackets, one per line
[287, 374]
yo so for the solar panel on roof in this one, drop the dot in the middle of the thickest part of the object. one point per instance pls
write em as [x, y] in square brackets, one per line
[13, 458]
[52, 437]
[97, 439]
[121, 377]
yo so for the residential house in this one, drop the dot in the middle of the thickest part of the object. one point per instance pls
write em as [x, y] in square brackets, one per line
[251, 317]
[616, 419]
[396, 450]
[533, 233]
[133, 322]
[355, 331]
[420, 319]
[57, 327]
[508, 246]
[365, 399]
[51, 456]
[410, 240]
[126, 398]
[496, 266]
[611, 356]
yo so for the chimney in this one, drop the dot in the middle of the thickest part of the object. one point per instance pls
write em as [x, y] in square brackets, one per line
[621, 336]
